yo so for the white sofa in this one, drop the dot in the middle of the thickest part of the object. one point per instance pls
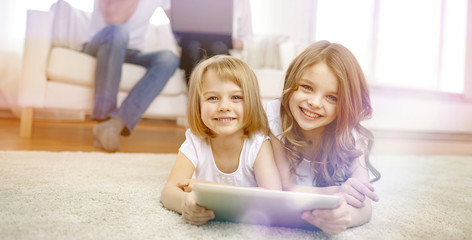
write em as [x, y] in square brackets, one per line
[58, 79]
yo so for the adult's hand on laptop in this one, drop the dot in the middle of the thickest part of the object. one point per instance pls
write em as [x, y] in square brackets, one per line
[355, 192]
[238, 44]
[193, 213]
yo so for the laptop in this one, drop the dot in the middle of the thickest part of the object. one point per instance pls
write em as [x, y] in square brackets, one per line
[261, 206]
[202, 19]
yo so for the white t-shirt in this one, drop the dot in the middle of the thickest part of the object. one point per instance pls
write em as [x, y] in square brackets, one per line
[305, 171]
[136, 25]
[199, 152]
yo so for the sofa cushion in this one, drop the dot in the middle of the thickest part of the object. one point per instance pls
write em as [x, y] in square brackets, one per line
[77, 68]
[80, 98]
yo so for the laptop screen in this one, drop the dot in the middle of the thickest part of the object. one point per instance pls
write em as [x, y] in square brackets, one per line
[213, 17]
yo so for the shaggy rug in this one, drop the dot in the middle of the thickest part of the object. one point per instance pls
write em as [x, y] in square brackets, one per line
[78, 195]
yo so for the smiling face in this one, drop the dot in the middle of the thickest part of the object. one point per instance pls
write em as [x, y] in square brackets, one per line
[313, 104]
[222, 108]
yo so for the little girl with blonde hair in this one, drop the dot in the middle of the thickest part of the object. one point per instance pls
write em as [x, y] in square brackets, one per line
[227, 141]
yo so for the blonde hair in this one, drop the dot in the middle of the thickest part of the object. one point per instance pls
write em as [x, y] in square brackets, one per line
[338, 144]
[228, 69]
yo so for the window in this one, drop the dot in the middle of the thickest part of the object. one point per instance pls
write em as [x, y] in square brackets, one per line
[414, 44]
[13, 19]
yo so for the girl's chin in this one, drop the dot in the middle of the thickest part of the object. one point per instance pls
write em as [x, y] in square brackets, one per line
[310, 127]
[227, 132]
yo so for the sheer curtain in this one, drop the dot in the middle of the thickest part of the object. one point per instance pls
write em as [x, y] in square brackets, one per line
[294, 19]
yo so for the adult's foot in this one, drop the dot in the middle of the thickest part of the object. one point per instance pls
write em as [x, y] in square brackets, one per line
[107, 134]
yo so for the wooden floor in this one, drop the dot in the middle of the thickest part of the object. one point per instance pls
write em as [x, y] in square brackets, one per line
[150, 136]
[153, 136]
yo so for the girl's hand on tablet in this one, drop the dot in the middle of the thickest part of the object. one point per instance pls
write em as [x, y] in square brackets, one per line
[193, 213]
[356, 191]
[331, 221]
[186, 184]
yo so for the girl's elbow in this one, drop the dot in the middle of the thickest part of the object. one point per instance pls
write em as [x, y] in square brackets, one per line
[368, 214]
[288, 187]
[361, 217]
[277, 187]
[165, 198]
[367, 217]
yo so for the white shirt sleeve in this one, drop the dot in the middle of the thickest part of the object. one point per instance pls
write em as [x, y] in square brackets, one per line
[272, 110]
[242, 20]
[190, 146]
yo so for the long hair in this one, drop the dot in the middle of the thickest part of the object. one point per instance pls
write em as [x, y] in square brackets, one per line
[234, 70]
[338, 145]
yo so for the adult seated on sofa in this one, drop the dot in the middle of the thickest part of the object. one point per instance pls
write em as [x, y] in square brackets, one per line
[118, 31]
[196, 47]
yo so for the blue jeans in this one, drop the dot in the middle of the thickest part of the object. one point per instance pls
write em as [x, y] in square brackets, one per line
[110, 47]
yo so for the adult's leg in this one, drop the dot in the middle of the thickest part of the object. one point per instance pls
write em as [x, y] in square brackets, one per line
[109, 47]
[192, 53]
[160, 66]
[217, 48]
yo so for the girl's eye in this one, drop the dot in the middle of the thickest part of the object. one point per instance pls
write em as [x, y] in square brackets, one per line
[237, 97]
[306, 87]
[212, 98]
[332, 98]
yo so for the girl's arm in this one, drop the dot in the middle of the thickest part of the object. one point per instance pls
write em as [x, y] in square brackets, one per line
[172, 196]
[267, 175]
[280, 157]
[359, 215]
[358, 192]
[359, 179]
[354, 200]
[176, 198]
[358, 187]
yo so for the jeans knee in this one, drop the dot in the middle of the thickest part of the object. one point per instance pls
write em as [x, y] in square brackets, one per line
[169, 58]
[116, 33]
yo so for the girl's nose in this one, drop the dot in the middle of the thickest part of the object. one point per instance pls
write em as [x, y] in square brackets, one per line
[224, 106]
[315, 101]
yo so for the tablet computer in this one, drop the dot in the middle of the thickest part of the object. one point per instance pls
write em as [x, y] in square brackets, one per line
[261, 206]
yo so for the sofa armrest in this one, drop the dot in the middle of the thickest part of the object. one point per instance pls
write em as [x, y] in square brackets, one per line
[33, 80]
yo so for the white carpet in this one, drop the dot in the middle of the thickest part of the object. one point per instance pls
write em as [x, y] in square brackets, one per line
[77, 195]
